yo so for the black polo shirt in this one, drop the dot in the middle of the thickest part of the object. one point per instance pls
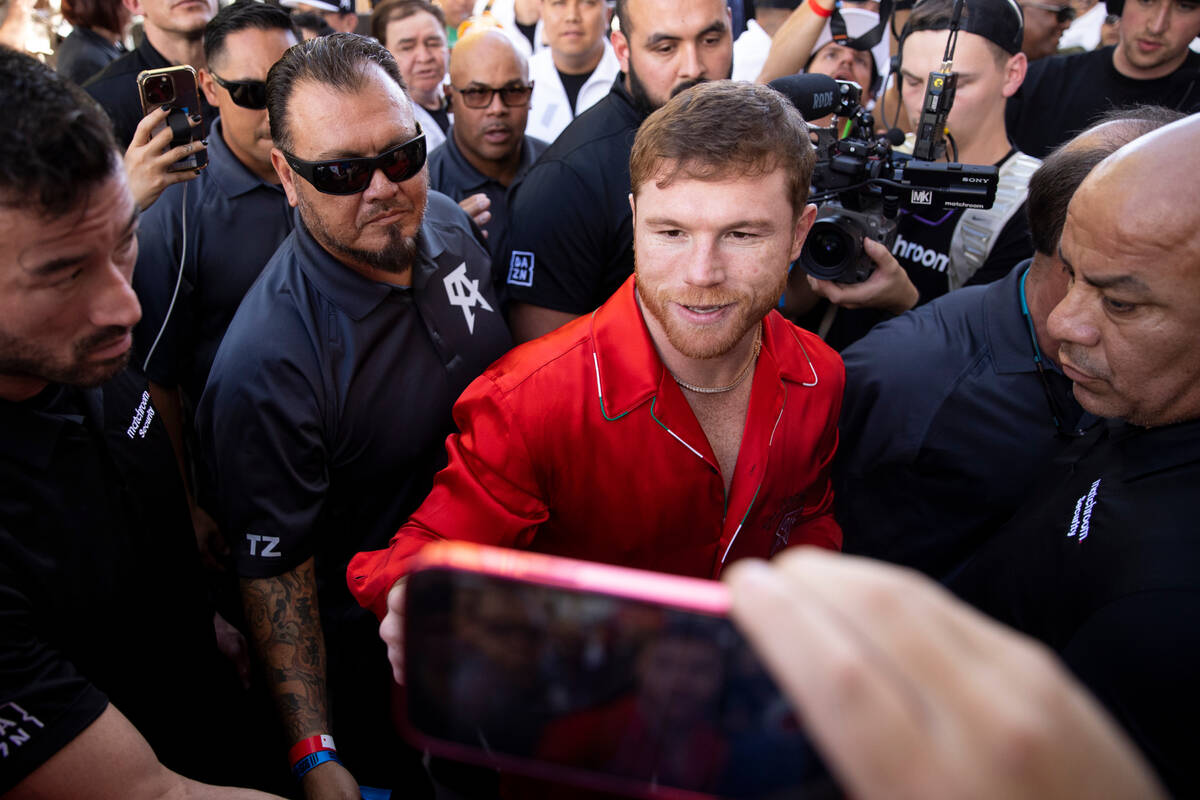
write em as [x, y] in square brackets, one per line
[945, 426]
[1104, 567]
[324, 420]
[235, 222]
[115, 89]
[451, 174]
[100, 591]
[571, 234]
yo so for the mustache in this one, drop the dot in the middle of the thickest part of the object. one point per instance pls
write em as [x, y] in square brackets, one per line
[683, 87]
[101, 338]
[1080, 360]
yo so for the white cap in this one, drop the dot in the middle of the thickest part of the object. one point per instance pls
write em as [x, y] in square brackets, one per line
[859, 21]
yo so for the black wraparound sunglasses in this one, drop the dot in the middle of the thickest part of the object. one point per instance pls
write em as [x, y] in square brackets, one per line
[247, 94]
[352, 175]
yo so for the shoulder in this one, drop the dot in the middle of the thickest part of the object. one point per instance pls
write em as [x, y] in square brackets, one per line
[447, 217]
[606, 126]
[119, 72]
[564, 351]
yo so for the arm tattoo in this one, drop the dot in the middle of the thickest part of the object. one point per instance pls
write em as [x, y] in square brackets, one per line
[284, 622]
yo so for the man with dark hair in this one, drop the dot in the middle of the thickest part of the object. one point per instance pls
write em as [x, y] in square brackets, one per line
[571, 239]
[1150, 64]
[683, 425]
[942, 252]
[174, 34]
[414, 32]
[954, 409]
[219, 230]
[110, 681]
[1103, 566]
[324, 434]
[488, 151]
[577, 67]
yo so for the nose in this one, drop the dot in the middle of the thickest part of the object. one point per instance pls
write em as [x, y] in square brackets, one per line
[705, 267]
[380, 187]
[573, 13]
[690, 66]
[496, 106]
[115, 303]
[1070, 321]
[1160, 20]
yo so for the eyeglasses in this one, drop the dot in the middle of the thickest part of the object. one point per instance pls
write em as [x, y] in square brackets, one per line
[345, 176]
[1063, 14]
[247, 94]
[481, 96]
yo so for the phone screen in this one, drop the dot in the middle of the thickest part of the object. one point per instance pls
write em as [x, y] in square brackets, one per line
[602, 690]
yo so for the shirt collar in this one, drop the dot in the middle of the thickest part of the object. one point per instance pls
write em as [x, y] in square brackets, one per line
[1005, 326]
[477, 179]
[231, 175]
[31, 429]
[152, 57]
[1144, 451]
[630, 370]
[346, 288]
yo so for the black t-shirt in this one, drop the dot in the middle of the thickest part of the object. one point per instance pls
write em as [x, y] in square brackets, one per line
[922, 247]
[571, 233]
[1105, 569]
[100, 590]
[441, 115]
[528, 31]
[115, 89]
[572, 84]
[1063, 94]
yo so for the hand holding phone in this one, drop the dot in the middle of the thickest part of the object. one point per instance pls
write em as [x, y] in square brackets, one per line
[149, 159]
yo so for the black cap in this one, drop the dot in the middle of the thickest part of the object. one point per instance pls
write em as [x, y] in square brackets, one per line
[998, 21]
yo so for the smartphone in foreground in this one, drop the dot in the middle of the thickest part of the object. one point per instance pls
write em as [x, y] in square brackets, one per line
[175, 87]
[614, 679]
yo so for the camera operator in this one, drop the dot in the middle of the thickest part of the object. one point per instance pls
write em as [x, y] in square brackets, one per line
[955, 247]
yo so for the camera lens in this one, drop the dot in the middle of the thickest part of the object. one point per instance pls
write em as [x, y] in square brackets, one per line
[828, 251]
[159, 89]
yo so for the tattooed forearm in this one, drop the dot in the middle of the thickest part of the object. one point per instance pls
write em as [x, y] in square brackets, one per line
[282, 615]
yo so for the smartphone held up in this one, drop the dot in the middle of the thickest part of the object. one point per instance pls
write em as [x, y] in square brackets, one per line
[175, 89]
[609, 678]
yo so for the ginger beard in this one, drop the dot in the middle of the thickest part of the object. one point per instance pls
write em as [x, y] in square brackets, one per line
[746, 310]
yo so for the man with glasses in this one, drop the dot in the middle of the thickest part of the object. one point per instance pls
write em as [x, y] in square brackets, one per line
[953, 410]
[1150, 64]
[487, 151]
[1044, 26]
[205, 242]
[329, 399]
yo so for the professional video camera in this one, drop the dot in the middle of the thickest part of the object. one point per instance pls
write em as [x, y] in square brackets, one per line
[861, 183]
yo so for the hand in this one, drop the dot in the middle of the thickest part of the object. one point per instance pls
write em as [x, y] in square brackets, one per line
[146, 163]
[330, 781]
[14, 31]
[233, 646]
[888, 288]
[910, 693]
[210, 541]
[391, 630]
[477, 206]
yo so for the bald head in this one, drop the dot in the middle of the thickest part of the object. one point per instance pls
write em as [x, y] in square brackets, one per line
[1132, 312]
[478, 55]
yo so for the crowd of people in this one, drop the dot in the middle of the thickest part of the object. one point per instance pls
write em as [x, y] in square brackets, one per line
[527, 274]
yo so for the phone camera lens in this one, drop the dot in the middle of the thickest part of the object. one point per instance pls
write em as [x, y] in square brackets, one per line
[160, 89]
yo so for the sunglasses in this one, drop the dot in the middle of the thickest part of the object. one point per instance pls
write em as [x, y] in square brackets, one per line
[351, 175]
[247, 94]
[1063, 14]
[481, 96]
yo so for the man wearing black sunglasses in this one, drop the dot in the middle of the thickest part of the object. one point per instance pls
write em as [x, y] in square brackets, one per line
[221, 230]
[1044, 26]
[329, 400]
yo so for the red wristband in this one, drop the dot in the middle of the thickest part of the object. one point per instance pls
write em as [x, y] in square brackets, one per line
[313, 744]
[820, 12]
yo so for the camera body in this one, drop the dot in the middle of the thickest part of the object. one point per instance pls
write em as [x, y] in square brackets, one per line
[861, 184]
[834, 251]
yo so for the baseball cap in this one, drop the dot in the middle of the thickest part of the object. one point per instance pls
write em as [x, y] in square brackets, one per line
[998, 21]
[858, 21]
[340, 6]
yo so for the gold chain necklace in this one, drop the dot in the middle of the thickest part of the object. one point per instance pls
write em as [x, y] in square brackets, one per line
[736, 381]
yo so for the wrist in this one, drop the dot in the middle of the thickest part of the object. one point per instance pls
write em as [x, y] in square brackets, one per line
[822, 8]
